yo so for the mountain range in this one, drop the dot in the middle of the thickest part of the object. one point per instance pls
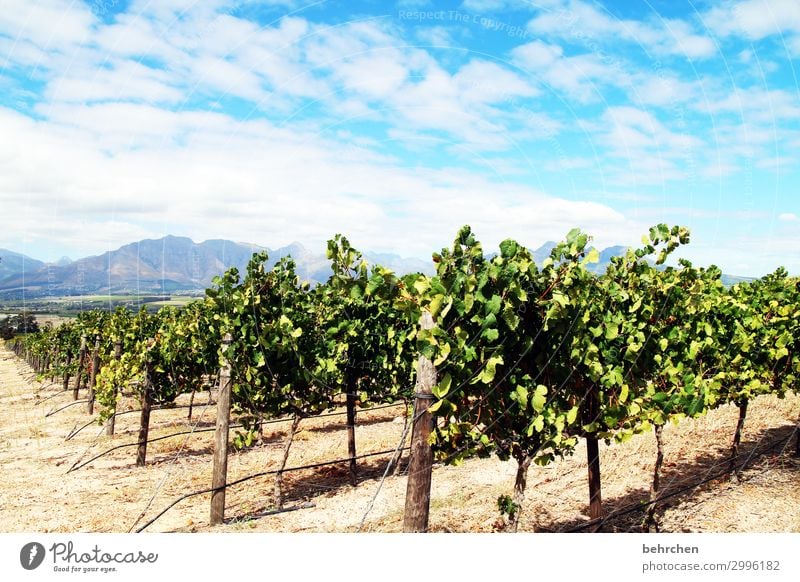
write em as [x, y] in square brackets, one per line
[177, 264]
[162, 266]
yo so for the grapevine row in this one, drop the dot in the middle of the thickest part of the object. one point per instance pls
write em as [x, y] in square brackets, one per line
[529, 358]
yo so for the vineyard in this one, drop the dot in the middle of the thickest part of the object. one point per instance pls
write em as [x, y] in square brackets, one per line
[269, 397]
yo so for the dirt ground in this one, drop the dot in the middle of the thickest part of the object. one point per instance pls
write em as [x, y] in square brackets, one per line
[111, 494]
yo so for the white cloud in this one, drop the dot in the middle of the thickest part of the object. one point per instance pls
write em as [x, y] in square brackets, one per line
[374, 75]
[566, 164]
[22, 53]
[777, 163]
[592, 77]
[180, 52]
[755, 19]
[370, 68]
[581, 22]
[749, 255]
[498, 5]
[413, 3]
[212, 176]
[583, 77]
[48, 24]
[719, 169]
[756, 104]
[663, 89]
[482, 82]
[630, 128]
[133, 35]
[469, 107]
[788, 217]
[124, 80]
[223, 77]
[537, 55]
[122, 144]
[680, 39]
[436, 36]
[794, 45]
[640, 150]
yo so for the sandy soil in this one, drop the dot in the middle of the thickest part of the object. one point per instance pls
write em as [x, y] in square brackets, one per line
[111, 494]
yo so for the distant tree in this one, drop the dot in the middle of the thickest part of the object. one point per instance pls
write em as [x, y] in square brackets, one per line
[24, 322]
[6, 329]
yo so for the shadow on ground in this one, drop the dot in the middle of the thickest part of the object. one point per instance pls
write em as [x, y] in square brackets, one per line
[682, 481]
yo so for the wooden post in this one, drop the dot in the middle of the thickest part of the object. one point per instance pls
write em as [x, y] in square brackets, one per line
[278, 489]
[595, 495]
[351, 431]
[220, 475]
[593, 459]
[797, 441]
[56, 357]
[737, 437]
[520, 483]
[112, 420]
[81, 362]
[144, 424]
[93, 376]
[66, 372]
[420, 465]
[651, 523]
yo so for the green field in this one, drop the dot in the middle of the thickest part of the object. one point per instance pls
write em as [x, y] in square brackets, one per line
[71, 305]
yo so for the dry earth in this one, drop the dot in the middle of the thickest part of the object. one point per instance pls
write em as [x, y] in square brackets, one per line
[112, 495]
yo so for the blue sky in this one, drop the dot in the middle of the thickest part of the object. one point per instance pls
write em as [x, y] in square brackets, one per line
[397, 122]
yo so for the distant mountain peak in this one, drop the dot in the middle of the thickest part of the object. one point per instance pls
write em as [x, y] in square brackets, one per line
[173, 263]
[12, 263]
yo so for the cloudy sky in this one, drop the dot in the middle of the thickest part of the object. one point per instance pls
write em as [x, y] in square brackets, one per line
[271, 121]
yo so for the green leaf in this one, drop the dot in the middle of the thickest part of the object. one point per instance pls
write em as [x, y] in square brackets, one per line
[593, 256]
[260, 361]
[572, 414]
[489, 370]
[539, 398]
[521, 396]
[443, 353]
[508, 248]
[441, 389]
[493, 305]
[356, 292]
[435, 305]
[623, 394]
[469, 300]
[490, 334]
